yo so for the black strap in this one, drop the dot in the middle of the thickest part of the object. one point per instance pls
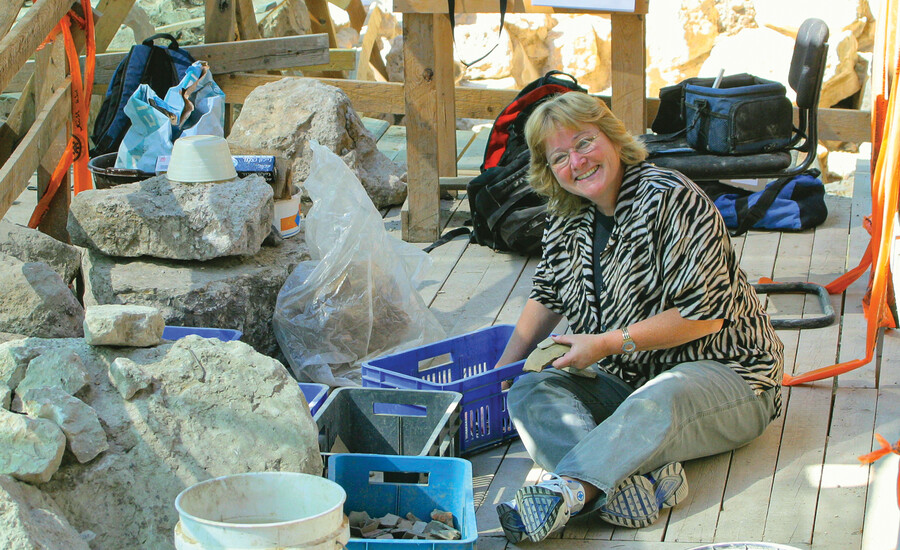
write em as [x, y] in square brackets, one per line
[447, 237]
[758, 210]
[173, 44]
[451, 5]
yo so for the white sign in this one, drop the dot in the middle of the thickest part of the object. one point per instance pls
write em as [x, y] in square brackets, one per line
[588, 5]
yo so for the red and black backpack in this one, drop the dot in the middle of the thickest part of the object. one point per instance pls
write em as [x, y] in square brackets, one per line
[507, 214]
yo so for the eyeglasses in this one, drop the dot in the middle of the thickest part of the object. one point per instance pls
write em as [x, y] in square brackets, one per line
[560, 159]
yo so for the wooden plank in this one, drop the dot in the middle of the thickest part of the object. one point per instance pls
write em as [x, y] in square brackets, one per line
[369, 45]
[695, 518]
[114, 13]
[24, 37]
[393, 143]
[853, 321]
[339, 59]
[750, 479]
[882, 520]
[484, 468]
[513, 473]
[590, 544]
[15, 173]
[628, 58]
[220, 21]
[842, 498]
[387, 97]
[50, 75]
[515, 302]
[8, 12]
[420, 96]
[223, 58]
[245, 20]
[819, 347]
[793, 500]
[490, 6]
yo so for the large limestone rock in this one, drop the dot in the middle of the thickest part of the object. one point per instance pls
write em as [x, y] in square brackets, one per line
[285, 19]
[36, 301]
[30, 245]
[163, 219]
[237, 292]
[123, 325]
[772, 59]
[581, 48]
[475, 36]
[64, 372]
[283, 116]
[209, 409]
[30, 519]
[680, 35]
[528, 34]
[31, 449]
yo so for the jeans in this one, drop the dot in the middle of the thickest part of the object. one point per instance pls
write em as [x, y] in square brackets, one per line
[601, 430]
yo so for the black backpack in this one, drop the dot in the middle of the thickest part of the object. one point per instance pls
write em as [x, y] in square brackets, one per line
[507, 214]
[146, 63]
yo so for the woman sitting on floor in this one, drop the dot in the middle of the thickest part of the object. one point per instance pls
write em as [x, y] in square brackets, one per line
[672, 356]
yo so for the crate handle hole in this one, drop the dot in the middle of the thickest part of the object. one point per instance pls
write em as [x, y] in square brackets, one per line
[399, 409]
[397, 478]
[436, 362]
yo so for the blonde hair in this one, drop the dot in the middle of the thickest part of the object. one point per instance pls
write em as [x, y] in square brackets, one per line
[571, 110]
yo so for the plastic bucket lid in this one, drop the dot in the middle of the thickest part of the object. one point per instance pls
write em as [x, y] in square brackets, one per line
[262, 510]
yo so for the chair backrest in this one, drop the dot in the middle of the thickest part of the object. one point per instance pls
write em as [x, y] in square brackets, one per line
[808, 62]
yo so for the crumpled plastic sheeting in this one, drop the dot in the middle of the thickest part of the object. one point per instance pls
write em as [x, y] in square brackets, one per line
[356, 299]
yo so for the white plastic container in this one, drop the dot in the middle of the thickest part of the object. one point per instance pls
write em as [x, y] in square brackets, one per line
[262, 510]
[201, 159]
[287, 216]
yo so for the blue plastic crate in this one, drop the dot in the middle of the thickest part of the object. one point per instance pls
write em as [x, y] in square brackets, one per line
[462, 364]
[223, 334]
[315, 395]
[386, 484]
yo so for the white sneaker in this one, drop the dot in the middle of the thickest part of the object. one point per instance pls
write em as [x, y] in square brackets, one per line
[545, 508]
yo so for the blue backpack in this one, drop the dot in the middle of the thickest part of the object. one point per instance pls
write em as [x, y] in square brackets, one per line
[146, 63]
[786, 204]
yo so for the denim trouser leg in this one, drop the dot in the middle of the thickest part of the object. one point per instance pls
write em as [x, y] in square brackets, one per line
[593, 430]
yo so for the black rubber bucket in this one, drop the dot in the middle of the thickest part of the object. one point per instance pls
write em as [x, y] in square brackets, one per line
[106, 175]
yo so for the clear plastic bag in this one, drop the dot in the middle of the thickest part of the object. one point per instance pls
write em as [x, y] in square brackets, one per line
[356, 299]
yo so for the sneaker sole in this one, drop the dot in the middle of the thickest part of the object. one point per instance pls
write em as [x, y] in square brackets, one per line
[671, 485]
[538, 507]
[511, 523]
[633, 506]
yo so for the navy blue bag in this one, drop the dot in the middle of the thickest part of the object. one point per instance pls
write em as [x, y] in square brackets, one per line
[738, 118]
[787, 204]
[146, 63]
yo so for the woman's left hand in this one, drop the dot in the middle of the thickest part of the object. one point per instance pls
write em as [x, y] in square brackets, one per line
[586, 350]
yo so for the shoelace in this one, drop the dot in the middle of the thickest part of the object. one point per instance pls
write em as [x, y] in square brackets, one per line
[551, 480]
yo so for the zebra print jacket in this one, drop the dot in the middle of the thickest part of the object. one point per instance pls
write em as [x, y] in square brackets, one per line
[668, 248]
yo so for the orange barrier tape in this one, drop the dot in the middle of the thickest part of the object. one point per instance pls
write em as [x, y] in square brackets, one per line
[76, 152]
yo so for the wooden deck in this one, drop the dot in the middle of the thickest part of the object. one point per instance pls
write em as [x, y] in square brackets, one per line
[800, 484]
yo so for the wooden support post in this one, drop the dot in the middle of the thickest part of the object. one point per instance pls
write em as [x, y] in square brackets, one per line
[220, 21]
[20, 43]
[629, 37]
[9, 10]
[49, 75]
[446, 96]
[114, 13]
[422, 82]
[320, 21]
[247, 26]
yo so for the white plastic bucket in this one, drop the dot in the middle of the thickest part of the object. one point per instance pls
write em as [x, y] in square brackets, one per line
[262, 510]
[287, 216]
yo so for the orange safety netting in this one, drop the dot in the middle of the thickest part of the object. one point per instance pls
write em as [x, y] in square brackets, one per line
[77, 148]
[885, 185]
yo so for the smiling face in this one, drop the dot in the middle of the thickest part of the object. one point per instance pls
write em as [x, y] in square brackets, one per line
[595, 174]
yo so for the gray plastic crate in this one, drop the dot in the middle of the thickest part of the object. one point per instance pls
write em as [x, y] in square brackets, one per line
[390, 421]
